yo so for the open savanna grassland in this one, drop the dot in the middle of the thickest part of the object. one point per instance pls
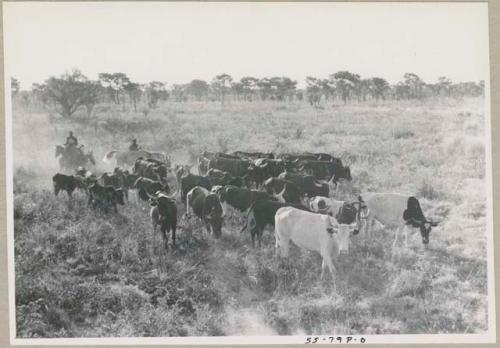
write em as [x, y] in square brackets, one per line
[84, 274]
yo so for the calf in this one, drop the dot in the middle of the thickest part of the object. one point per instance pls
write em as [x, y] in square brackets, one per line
[283, 190]
[207, 207]
[315, 232]
[261, 214]
[105, 197]
[68, 183]
[164, 213]
[399, 211]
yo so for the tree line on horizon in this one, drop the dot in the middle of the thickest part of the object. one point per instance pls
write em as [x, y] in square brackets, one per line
[71, 91]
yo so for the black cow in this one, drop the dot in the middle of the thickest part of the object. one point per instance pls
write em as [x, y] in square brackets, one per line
[68, 183]
[190, 181]
[261, 214]
[218, 177]
[263, 169]
[115, 179]
[207, 207]
[105, 197]
[283, 190]
[147, 187]
[240, 198]
[307, 184]
[164, 213]
[325, 170]
[237, 167]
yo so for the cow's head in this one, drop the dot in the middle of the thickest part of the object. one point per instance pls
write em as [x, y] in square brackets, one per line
[341, 233]
[348, 215]
[425, 227]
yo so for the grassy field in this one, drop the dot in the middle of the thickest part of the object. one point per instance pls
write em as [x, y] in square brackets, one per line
[82, 274]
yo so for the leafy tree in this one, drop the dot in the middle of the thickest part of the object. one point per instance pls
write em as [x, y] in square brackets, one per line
[221, 85]
[443, 86]
[282, 87]
[346, 83]
[314, 90]
[414, 86]
[134, 92]
[66, 93]
[15, 86]
[155, 91]
[265, 88]
[238, 89]
[379, 87]
[198, 89]
[249, 86]
[115, 84]
[179, 92]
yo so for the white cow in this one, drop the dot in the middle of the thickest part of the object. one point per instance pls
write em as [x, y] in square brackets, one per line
[311, 231]
[397, 211]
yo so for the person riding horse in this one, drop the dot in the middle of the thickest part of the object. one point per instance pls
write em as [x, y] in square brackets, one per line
[134, 146]
[71, 140]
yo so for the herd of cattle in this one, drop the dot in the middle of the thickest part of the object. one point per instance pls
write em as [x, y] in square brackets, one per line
[292, 192]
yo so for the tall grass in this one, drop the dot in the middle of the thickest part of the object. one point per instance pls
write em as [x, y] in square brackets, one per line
[85, 274]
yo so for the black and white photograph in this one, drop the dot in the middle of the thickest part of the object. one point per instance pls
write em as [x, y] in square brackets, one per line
[248, 173]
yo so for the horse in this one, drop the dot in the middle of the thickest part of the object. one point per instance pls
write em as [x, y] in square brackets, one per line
[72, 157]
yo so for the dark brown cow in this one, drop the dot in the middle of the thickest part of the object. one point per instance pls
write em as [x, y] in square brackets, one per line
[206, 206]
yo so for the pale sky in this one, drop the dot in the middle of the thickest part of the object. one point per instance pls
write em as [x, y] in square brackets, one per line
[178, 42]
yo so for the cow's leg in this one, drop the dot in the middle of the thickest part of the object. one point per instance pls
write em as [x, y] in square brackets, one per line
[164, 235]
[406, 235]
[173, 235]
[207, 225]
[396, 238]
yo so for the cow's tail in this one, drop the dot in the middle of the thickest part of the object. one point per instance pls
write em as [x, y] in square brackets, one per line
[109, 156]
